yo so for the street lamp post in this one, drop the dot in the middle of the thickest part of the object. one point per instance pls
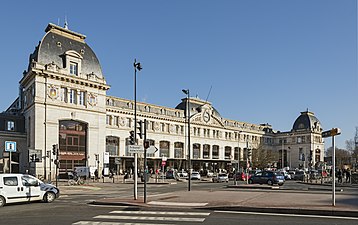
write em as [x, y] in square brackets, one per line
[138, 67]
[186, 91]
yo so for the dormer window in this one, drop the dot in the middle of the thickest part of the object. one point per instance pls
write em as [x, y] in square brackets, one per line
[10, 126]
[73, 62]
[73, 68]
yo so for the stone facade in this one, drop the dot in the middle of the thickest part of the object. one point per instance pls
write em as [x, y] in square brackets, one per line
[63, 101]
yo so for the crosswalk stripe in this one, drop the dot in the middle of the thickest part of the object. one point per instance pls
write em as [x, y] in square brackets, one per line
[177, 203]
[158, 218]
[112, 223]
[162, 213]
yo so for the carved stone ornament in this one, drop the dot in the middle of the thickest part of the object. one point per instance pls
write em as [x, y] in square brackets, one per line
[121, 121]
[156, 126]
[92, 99]
[172, 128]
[52, 91]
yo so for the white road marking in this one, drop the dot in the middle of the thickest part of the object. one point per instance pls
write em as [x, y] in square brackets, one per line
[111, 223]
[162, 213]
[289, 215]
[158, 218]
[177, 204]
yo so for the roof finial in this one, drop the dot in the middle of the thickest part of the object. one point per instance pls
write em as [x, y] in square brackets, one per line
[66, 24]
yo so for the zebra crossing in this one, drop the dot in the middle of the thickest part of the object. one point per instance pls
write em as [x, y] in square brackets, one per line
[118, 217]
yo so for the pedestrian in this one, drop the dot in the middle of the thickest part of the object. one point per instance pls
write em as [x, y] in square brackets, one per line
[96, 174]
[339, 175]
[348, 176]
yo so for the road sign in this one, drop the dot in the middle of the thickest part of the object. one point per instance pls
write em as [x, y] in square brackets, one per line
[152, 149]
[10, 146]
[135, 149]
[331, 132]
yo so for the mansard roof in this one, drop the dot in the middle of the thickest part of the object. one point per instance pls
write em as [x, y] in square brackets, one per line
[57, 41]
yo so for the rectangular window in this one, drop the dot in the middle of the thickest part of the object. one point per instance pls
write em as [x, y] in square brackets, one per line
[73, 68]
[63, 94]
[81, 97]
[10, 181]
[72, 98]
[10, 126]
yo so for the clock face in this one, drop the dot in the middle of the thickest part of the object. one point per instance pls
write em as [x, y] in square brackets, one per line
[206, 116]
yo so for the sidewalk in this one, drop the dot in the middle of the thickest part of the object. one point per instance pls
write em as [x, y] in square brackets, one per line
[273, 201]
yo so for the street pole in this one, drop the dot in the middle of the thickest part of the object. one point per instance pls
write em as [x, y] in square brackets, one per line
[145, 161]
[187, 92]
[49, 156]
[138, 67]
[333, 172]
[247, 162]
[282, 156]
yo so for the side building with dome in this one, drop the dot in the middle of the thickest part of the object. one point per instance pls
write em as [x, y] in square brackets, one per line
[63, 104]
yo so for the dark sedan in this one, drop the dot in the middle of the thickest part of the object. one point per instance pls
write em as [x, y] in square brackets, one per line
[267, 177]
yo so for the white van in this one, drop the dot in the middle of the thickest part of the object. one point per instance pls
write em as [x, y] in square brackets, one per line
[25, 188]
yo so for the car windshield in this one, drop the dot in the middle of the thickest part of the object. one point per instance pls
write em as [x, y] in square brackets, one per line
[222, 175]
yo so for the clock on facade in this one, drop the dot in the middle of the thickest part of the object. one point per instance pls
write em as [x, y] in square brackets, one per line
[206, 116]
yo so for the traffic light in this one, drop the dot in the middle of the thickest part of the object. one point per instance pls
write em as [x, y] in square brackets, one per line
[140, 128]
[131, 137]
[32, 158]
[311, 155]
[146, 144]
[54, 149]
[249, 152]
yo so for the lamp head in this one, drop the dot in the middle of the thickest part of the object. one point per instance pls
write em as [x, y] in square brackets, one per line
[185, 91]
[137, 66]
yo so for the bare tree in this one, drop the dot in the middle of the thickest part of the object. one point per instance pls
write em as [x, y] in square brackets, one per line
[343, 156]
[262, 158]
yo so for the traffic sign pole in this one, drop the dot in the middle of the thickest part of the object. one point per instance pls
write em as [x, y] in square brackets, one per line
[332, 133]
[334, 172]
[145, 161]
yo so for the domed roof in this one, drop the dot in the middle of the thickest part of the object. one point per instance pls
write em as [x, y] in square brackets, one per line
[57, 42]
[307, 121]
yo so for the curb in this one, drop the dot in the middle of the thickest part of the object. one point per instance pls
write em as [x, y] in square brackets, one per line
[298, 211]
[317, 212]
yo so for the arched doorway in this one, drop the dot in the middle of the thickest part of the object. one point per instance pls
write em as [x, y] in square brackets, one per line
[72, 145]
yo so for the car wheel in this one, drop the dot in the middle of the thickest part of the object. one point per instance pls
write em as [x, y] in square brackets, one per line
[49, 197]
[2, 201]
[251, 181]
[269, 182]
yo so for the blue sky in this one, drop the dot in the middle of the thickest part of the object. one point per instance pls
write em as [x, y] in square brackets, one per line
[264, 60]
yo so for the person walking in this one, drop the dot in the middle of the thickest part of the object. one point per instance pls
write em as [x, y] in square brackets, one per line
[339, 175]
[348, 176]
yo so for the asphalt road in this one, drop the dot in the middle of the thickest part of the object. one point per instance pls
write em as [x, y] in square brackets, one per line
[73, 208]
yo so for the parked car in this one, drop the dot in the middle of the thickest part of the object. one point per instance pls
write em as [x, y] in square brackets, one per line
[221, 177]
[183, 174]
[209, 173]
[285, 174]
[25, 188]
[195, 176]
[267, 177]
[300, 175]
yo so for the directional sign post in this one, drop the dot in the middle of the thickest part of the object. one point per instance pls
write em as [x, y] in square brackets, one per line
[332, 133]
[10, 146]
[135, 149]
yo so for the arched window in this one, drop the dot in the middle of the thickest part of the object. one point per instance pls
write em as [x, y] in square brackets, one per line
[164, 148]
[196, 151]
[215, 152]
[72, 144]
[178, 150]
[112, 145]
